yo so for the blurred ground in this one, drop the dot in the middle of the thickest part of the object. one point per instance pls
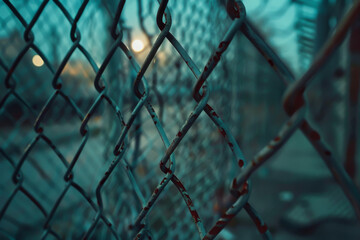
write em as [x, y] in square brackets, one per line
[296, 178]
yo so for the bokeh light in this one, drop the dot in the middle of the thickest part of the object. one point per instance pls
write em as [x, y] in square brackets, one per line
[137, 45]
[37, 61]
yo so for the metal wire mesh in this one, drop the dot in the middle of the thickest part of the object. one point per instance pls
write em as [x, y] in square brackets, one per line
[103, 118]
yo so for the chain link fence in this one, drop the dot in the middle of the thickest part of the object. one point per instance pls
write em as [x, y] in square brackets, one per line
[101, 142]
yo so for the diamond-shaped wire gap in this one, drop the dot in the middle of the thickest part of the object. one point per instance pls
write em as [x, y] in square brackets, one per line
[94, 25]
[252, 89]
[61, 124]
[78, 81]
[91, 165]
[72, 215]
[174, 80]
[42, 170]
[51, 37]
[16, 131]
[103, 126]
[144, 156]
[203, 158]
[121, 203]
[174, 87]
[33, 83]
[118, 77]
[22, 214]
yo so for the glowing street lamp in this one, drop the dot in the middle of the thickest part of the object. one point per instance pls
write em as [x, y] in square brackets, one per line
[137, 45]
[37, 61]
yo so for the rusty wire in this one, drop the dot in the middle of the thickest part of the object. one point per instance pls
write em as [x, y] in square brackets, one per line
[144, 203]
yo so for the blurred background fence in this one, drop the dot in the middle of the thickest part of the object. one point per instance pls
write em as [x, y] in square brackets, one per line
[68, 70]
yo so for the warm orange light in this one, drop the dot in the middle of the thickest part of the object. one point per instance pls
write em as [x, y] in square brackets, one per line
[137, 45]
[37, 61]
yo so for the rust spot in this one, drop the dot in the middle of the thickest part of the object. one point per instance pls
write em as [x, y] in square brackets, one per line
[162, 182]
[214, 114]
[244, 189]
[179, 184]
[222, 131]
[277, 139]
[314, 136]
[179, 134]
[215, 230]
[195, 215]
[241, 163]
[234, 184]
[39, 130]
[223, 46]
[261, 227]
